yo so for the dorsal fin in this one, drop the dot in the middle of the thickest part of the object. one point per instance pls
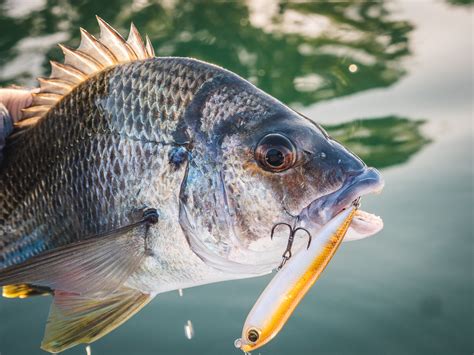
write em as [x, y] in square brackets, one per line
[92, 56]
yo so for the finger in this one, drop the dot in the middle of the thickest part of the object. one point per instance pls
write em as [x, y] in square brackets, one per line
[15, 100]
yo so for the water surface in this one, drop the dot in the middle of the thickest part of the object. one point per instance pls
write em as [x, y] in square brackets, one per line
[393, 81]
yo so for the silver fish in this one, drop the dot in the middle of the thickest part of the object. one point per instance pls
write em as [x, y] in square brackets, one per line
[132, 175]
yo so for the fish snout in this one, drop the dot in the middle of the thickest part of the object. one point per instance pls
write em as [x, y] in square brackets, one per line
[357, 183]
[348, 162]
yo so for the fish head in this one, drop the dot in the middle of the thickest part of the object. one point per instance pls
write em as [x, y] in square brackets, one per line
[289, 170]
[267, 165]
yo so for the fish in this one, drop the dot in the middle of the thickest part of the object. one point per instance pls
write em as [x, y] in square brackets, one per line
[288, 287]
[132, 174]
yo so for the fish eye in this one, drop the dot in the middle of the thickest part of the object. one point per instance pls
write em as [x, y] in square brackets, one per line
[253, 335]
[275, 152]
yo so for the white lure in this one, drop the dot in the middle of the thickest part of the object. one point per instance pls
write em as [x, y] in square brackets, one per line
[285, 291]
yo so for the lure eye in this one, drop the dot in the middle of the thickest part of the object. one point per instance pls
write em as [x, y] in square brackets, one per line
[275, 153]
[253, 335]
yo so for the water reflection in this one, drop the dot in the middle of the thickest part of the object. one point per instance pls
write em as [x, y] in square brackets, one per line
[298, 52]
[381, 142]
[301, 53]
[461, 2]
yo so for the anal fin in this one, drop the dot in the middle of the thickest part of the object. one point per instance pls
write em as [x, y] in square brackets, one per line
[75, 319]
[24, 291]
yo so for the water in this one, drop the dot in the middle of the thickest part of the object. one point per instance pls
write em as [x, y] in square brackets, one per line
[391, 80]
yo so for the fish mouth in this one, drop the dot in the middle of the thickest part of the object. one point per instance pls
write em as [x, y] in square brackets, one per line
[323, 209]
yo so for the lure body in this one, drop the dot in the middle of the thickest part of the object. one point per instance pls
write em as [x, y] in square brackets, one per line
[285, 291]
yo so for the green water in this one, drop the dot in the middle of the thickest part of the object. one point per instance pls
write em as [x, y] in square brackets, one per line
[393, 81]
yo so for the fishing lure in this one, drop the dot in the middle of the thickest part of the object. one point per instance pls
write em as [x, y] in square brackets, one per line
[283, 294]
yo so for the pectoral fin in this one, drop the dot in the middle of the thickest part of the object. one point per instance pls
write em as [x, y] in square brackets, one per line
[98, 264]
[75, 319]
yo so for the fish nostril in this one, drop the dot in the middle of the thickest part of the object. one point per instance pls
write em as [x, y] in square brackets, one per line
[352, 165]
[348, 162]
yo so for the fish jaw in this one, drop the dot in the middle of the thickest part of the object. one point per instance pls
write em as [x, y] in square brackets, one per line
[323, 209]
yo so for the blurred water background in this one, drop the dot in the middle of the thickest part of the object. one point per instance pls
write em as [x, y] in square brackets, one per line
[393, 81]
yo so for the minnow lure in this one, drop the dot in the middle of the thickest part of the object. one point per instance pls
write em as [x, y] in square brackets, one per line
[283, 294]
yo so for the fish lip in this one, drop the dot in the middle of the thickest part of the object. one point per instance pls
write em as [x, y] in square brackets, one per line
[321, 210]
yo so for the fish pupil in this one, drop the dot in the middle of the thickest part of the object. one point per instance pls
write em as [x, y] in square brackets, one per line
[275, 153]
[274, 157]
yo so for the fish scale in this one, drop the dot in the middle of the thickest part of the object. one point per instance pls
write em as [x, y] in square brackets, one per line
[49, 152]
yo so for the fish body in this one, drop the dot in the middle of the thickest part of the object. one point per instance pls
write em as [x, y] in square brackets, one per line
[105, 158]
[217, 161]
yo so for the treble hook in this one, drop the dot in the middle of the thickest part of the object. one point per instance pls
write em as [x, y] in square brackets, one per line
[307, 232]
[280, 224]
[287, 254]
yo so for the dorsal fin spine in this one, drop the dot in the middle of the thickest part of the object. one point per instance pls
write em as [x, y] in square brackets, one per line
[45, 98]
[80, 61]
[35, 110]
[149, 47]
[92, 56]
[54, 86]
[27, 122]
[66, 72]
[90, 45]
[122, 51]
[136, 43]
